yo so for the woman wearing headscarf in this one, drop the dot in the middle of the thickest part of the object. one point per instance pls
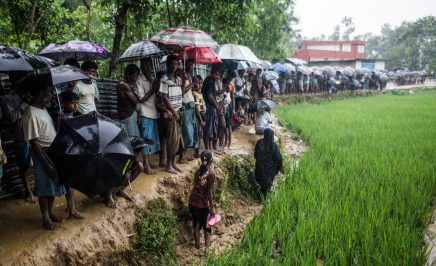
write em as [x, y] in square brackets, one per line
[268, 161]
[200, 200]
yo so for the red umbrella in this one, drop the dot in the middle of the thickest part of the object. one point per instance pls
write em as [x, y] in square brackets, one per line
[201, 55]
[184, 36]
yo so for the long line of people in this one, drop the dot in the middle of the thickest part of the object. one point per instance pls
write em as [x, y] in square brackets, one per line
[332, 79]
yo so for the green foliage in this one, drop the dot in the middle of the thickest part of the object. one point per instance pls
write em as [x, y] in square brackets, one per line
[239, 170]
[155, 233]
[361, 194]
[263, 25]
[412, 44]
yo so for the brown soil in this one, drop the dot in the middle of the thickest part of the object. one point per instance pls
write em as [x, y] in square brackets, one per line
[104, 236]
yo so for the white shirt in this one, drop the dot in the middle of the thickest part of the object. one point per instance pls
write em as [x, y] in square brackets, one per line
[37, 124]
[238, 81]
[148, 108]
[87, 93]
[263, 120]
[173, 89]
[188, 97]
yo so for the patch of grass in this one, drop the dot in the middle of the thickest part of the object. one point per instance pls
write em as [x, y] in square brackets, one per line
[155, 233]
[239, 171]
[361, 194]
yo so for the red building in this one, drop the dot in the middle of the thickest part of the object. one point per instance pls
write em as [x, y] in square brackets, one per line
[313, 51]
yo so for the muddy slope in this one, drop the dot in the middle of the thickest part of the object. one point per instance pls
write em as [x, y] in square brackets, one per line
[104, 237]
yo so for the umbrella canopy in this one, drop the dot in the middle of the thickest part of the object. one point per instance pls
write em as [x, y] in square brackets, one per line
[279, 68]
[65, 73]
[184, 36]
[271, 75]
[142, 50]
[296, 61]
[329, 71]
[290, 67]
[201, 55]
[242, 65]
[265, 104]
[304, 69]
[58, 74]
[266, 65]
[317, 72]
[348, 71]
[91, 153]
[80, 50]
[236, 52]
[16, 59]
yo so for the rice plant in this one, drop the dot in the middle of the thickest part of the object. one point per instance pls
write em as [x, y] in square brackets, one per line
[361, 194]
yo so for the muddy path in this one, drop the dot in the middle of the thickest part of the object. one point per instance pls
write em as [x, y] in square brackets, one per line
[104, 236]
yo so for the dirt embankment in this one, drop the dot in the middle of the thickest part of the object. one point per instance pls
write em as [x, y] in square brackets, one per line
[103, 238]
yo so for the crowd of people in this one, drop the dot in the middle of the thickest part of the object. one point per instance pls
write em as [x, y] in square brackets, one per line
[333, 79]
[175, 110]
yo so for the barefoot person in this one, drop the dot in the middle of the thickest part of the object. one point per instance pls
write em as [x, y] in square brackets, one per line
[70, 104]
[171, 91]
[268, 161]
[200, 200]
[210, 131]
[127, 100]
[189, 121]
[40, 132]
[14, 105]
[148, 112]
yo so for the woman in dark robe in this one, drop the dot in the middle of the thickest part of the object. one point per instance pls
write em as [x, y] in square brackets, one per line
[268, 161]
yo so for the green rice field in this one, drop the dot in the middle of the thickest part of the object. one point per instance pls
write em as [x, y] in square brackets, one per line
[361, 194]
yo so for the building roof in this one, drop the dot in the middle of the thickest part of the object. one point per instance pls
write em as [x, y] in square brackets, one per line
[306, 43]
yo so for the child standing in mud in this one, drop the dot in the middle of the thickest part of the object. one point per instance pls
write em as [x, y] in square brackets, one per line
[200, 200]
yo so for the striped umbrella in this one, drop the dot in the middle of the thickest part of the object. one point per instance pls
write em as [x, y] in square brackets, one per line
[143, 49]
[79, 50]
[16, 59]
[184, 36]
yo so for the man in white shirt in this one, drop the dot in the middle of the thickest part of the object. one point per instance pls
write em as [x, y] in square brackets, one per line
[39, 131]
[148, 112]
[87, 90]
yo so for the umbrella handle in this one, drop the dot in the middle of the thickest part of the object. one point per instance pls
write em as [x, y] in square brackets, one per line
[59, 102]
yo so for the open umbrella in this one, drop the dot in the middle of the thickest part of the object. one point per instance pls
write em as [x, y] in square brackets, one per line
[348, 71]
[265, 104]
[296, 61]
[232, 51]
[271, 75]
[140, 50]
[266, 65]
[280, 69]
[16, 59]
[201, 55]
[184, 36]
[242, 65]
[79, 50]
[328, 70]
[304, 69]
[290, 67]
[91, 153]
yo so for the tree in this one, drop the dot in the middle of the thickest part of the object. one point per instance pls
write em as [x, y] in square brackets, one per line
[349, 27]
[336, 33]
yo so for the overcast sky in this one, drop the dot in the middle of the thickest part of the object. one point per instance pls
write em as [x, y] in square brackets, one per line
[321, 16]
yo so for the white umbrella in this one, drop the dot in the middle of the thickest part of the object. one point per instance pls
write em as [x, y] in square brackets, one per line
[236, 52]
[242, 65]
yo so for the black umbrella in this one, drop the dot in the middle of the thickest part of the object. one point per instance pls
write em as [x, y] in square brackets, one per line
[16, 59]
[91, 153]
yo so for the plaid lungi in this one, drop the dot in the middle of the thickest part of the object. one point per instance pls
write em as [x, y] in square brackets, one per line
[149, 130]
